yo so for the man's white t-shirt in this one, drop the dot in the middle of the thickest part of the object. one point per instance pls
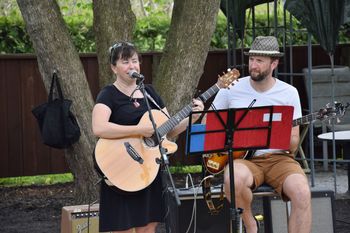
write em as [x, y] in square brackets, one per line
[242, 94]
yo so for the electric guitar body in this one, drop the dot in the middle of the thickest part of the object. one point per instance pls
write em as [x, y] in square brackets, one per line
[215, 163]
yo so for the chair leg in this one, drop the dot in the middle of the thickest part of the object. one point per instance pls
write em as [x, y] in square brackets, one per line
[301, 151]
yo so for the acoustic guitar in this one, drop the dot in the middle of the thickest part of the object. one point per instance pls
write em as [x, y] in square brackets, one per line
[215, 163]
[132, 163]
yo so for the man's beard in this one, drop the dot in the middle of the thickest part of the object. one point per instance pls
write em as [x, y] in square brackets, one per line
[260, 76]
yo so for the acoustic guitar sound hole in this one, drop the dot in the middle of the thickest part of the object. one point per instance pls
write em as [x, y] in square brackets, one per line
[151, 142]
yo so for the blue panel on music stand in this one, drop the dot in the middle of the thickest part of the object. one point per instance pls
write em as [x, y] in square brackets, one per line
[196, 140]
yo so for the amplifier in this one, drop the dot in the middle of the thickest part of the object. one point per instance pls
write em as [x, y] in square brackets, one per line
[322, 213]
[79, 219]
[179, 217]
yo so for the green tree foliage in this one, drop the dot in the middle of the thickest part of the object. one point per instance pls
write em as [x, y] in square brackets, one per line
[13, 37]
[151, 30]
[79, 22]
[150, 33]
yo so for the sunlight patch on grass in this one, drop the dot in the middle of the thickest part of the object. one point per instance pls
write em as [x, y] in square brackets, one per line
[36, 180]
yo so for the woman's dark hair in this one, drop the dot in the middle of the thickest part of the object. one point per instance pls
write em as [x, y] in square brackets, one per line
[122, 50]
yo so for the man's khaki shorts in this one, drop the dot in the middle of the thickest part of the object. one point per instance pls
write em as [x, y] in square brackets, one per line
[272, 169]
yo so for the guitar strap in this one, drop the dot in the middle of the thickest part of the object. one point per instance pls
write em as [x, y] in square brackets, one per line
[207, 195]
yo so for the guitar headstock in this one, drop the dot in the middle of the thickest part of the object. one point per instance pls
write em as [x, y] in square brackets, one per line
[332, 112]
[227, 79]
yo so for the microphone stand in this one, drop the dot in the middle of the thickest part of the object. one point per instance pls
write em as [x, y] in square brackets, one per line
[164, 161]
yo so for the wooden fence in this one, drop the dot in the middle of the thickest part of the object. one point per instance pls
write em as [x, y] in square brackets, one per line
[21, 89]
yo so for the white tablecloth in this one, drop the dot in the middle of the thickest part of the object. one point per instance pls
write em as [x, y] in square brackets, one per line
[338, 135]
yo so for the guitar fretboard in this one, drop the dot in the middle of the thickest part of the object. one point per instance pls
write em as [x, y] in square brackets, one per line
[185, 111]
[306, 119]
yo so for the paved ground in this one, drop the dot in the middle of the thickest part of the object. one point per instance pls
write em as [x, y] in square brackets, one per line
[337, 182]
[38, 208]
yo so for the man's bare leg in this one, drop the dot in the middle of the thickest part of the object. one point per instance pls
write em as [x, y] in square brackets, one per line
[296, 187]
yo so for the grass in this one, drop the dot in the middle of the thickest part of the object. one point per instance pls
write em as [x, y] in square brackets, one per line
[181, 169]
[68, 177]
[36, 180]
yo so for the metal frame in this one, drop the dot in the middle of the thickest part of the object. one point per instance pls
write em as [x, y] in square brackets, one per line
[287, 74]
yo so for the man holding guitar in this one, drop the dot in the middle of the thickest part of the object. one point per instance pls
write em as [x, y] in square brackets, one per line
[117, 115]
[272, 166]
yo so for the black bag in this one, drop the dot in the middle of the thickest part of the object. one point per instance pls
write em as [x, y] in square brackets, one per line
[58, 126]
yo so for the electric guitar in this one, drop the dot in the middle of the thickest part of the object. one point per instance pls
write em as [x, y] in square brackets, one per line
[132, 163]
[215, 163]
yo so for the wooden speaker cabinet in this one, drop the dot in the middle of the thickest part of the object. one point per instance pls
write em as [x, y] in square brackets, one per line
[77, 219]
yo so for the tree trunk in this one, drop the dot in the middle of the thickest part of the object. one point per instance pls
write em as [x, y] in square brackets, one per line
[55, 50]
[113, 21]
[182, 63]
[181, 66]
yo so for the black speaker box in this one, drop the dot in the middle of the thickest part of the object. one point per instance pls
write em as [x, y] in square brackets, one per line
[77, 219]
[322, 213]
[179, 217]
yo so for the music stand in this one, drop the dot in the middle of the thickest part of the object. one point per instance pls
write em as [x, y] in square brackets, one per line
[267, 127]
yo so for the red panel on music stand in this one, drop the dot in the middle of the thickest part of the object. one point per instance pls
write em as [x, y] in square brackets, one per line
[257, 129]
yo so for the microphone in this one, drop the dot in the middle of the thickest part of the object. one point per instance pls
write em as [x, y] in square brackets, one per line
[134, 74]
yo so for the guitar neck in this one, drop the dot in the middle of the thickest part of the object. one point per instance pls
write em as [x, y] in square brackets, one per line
[185, 111]
[306, 119]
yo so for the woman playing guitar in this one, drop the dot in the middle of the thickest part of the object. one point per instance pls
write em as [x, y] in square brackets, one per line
[116, 115]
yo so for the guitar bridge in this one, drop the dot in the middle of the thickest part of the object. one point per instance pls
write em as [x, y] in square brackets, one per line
[133, 153]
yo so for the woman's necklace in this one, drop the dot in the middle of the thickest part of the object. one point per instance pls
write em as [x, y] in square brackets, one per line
[126, 91]
[136, 103]
[134, 100]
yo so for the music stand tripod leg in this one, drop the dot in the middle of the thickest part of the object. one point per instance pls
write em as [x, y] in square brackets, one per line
[235, 213]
